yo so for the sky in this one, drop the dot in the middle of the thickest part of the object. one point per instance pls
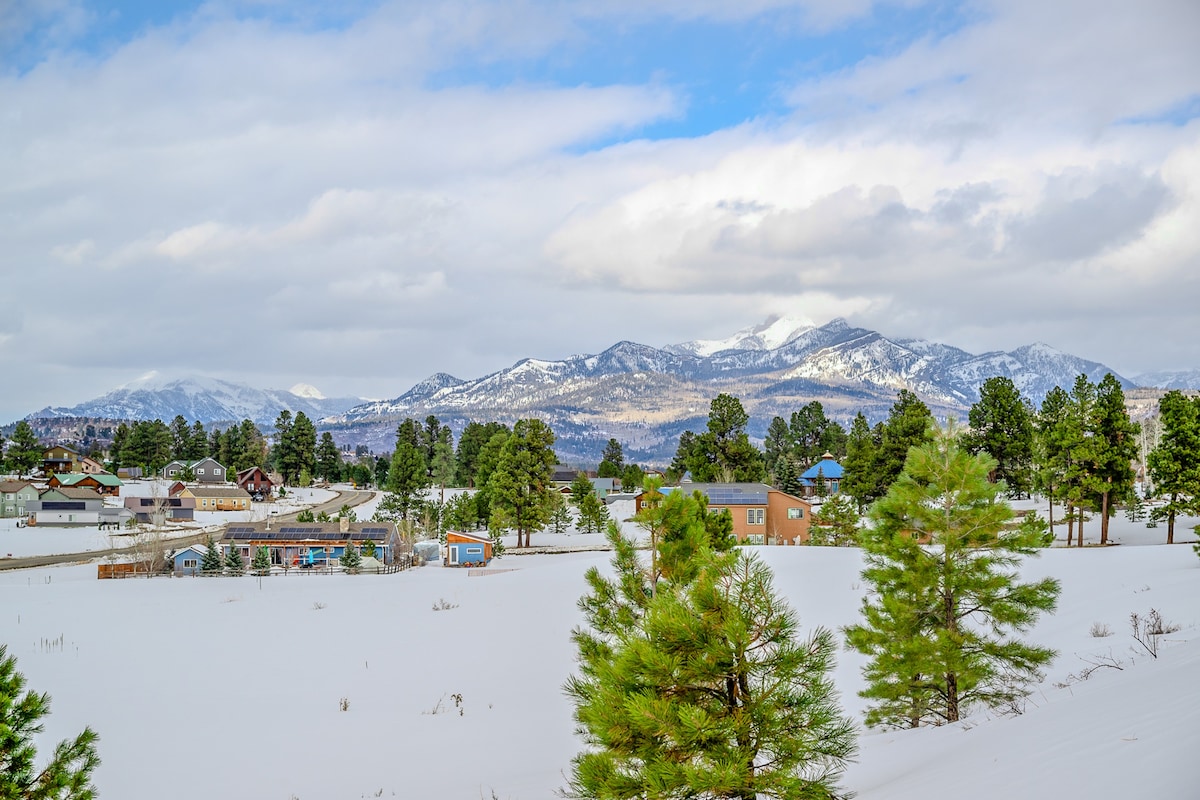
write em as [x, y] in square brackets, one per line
[358, 195]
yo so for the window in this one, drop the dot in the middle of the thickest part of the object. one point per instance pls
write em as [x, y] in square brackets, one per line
[199, 472]
[216, 471]
[190, 563]
[795, 513]
[755, 538]
[715, 510]
[754, 516]
[474, 551]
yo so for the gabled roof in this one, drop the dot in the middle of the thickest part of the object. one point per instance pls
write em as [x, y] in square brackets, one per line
[213, 491]
[102, 478]
[248, 470]
[75, 492]
[68, 448]
[12, 487]
[469, 537]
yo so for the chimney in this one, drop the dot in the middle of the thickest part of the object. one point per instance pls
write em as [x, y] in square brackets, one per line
[344, 524]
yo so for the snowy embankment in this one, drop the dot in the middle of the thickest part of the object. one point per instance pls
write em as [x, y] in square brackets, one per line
[239, 682]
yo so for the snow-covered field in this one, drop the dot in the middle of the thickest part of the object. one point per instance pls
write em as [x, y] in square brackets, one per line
[224, 687]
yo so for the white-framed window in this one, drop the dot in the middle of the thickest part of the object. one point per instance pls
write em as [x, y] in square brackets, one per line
[216, 471]
[190, 563]
[754, 516]
[756, 538]
[474, 551]
[199, 472]
[795, 513]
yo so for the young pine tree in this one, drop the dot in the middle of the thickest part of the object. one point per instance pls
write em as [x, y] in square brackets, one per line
[234, 564]
[68, 773]
[699, 687]
[945, 598]
[211, 562]
[261, 565]
[351, 558]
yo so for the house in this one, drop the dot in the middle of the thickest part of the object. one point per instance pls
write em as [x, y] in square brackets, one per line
[315, 543]
[105, 483]
[761, 514]
[129, 473]
[562, 475]
[187, 561]
[256, 481]
[175, 509]
[90, 466]
[115, 518]
[206, 470]
[60, 458]
[215, 498]
[66, 505]
[15, 496]
[467, 550]
[825, 471]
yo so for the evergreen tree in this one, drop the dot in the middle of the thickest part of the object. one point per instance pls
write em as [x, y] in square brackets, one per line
[197, 443]
[937, 623]
[407, 476]
[1115, 438]
[858, 481]
[181, 438]
[116, 450]
[24, 451]
[283, 455]
[836, 523]
[442, 468]
[350, 559]
[304, 444]
[777, 445]
[211, 562]
[1002, 426]
[68, 773]
[261, 565]
[1050, 443]
[691, 680]
[909, 424]
[787, 478]
[560, 516]
[580, 488]
[485, 464]
[1175, 463]
[368, 548]
[234, 564]
[612, 461]
[474, 436]
[808, 428]
[519, 487]
[329, 458]
[631, 478]
[593, 514]
[724, 453]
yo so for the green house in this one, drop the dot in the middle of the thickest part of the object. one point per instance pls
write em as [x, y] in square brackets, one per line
[14, 495]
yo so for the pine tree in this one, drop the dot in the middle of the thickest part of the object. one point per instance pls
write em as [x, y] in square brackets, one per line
[937, 625]
[234, 564]
[836, 523]
[351, 559]
[521, 483]
[1002, 426]
[1115, 438]
[858, 481]
[699, 687]
[211, 562]
[68, 773]
[560, 515]
[1175, 463]
[261, 565]
[24, 451]
[407, 476]
[329, 458]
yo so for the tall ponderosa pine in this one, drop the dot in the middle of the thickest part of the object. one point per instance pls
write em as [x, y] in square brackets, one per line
[1175, 463]
[612, 461]
[1050, 443]
[909, 424]
[699, 687]
[938, 624]
[1002, 426]
[522, 481]
[723, 453]
[329, 458]
[407, 476]
[25, 451]
[1115, 439]
[68, 773]
[858, 480]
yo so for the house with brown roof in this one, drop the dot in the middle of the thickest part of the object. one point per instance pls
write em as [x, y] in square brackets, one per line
[173, 509]
[206, 470]
[215, 498]
[66, 505]
[60, 458]
[761, 514]
[15, 496]
[315, 544]
[256, 481]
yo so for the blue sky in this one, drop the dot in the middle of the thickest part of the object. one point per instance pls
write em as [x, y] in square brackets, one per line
[466, 177]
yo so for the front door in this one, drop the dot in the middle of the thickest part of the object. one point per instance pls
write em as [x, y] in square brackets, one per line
[453, 555]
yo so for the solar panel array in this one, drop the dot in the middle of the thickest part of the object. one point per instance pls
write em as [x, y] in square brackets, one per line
[290, 533]
[720, 498]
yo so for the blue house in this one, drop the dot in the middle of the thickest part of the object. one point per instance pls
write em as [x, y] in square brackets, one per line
[467, 549]
[187, 560]
[826, 470]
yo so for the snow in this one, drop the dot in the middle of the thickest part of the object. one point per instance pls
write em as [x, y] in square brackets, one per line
[232, 687]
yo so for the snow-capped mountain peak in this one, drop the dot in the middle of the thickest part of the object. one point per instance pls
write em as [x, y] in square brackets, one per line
[307, 390]
[774, 333]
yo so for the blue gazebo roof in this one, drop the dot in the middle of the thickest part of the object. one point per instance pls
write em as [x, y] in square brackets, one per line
[829, 469]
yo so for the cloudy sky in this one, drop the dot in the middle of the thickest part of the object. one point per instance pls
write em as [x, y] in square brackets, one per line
[274, 192]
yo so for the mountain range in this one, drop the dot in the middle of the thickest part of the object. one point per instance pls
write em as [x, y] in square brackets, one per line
[645, 396]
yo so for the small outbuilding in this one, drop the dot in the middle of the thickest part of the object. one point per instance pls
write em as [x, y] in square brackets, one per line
[467, 549]
[187, 561]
